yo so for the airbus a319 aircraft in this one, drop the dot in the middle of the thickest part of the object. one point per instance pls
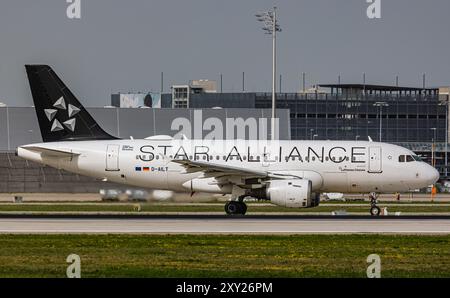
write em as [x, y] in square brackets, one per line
[290, 174]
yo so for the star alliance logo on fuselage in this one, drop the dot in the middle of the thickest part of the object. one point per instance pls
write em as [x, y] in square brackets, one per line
[72, 110]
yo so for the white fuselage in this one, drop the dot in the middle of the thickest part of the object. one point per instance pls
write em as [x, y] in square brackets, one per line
[332, 166]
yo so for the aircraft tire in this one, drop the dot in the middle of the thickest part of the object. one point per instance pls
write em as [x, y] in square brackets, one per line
[375, 211]
[243, 208]
[235, 208]
[232, 208]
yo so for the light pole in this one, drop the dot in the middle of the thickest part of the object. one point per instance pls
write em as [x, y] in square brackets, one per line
[381, 104]
[357, 137]
[271, 26]
[433, 147]
[446, 104]
[446, 131]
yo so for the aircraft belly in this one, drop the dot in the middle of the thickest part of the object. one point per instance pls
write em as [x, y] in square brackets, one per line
[368, 182]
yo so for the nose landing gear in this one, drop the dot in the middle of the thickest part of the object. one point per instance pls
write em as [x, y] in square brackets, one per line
[374, 209]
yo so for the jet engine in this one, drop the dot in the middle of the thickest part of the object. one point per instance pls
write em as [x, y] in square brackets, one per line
[292, 193]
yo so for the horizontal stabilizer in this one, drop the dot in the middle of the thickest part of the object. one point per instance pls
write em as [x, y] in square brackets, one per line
[51, 152]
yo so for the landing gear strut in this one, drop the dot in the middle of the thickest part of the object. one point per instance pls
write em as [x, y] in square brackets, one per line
[374, 209]
[236, 207]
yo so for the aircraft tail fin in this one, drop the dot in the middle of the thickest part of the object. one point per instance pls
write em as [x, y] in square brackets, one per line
[60, 115]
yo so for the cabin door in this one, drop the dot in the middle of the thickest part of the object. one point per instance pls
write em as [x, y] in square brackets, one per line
[375, 160]
[112, 158]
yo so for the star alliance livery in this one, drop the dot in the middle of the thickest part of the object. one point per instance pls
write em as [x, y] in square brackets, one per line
[290, 174]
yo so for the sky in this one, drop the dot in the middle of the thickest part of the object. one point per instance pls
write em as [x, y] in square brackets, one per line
[123, 46]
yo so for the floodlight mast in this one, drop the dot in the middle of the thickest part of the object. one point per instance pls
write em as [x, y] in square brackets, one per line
[381, 104]
[271, 26]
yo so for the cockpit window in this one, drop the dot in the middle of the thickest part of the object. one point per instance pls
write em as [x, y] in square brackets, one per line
[417, 158]
[409, 158]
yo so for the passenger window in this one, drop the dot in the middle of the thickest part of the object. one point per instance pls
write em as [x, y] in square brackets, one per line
[409, 158]
[401, 158]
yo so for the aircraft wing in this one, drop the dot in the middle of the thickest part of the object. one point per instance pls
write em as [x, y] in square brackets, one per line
[52, 152]
[207, 167]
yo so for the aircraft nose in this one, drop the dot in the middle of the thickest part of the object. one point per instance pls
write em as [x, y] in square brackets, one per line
[433, 175]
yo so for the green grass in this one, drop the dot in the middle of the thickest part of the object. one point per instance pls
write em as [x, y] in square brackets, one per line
[201, 208]
[224, 256]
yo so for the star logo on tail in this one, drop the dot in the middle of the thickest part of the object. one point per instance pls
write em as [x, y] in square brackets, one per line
[60, 105]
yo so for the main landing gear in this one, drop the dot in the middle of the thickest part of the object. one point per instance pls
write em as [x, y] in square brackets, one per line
[236, 207]
[374, 209]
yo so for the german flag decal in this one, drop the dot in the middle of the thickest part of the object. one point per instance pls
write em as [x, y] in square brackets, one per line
[146, 169]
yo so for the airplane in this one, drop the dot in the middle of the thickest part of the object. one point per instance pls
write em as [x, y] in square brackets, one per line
[290, 174]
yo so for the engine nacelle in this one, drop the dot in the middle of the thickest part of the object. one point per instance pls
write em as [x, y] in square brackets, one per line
[293, 193]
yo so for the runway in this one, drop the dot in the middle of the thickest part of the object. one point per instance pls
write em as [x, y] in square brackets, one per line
[222, 225]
